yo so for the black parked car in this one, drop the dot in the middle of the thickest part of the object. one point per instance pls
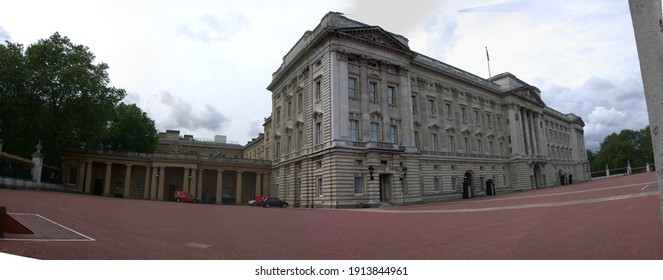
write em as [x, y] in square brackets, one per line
[274, 201]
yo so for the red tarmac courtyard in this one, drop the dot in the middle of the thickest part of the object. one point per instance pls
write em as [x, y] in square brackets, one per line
[616, 218]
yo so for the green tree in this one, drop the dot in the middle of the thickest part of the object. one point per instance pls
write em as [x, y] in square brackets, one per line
[131, 130]
[617, 150]
[54, 91]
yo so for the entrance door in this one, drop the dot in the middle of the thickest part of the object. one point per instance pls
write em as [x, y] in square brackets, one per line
[171, 192]
[98, 187]
[385, 187]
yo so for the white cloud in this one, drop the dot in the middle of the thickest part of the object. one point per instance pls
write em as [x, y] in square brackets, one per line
[4, 35]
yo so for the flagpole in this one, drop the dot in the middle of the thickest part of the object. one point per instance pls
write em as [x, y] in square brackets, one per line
[488, 60]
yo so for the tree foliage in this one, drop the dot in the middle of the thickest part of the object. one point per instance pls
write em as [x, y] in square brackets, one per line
[617, 150]
[55, 93]
[131, 130]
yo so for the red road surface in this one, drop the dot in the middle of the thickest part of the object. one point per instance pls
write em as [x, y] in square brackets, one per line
[616, 218]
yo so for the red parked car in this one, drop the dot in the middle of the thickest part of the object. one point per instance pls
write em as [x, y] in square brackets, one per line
[182, 196]
[258, 201]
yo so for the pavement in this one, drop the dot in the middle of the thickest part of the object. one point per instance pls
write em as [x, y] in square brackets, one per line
[616, 218]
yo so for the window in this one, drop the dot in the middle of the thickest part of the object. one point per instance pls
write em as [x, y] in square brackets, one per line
[416, 139]
[278, 117]
[467, 145]
[453, 183]
[490, 148]
[450, 144]
[300, 102]
[288, 144]
[373, 91]
[72, 176]
[289, 109]
[436, 184]
[318, 133]
[352, 88]
[414, 104]
[393, 130]
[433, 141]
[463, 114]
[354, 130]
[501, 149]
[278, 149]
[479, 150]
[318, 90]
[489, 121]
[359, 185]
[391, 95]
[447, 108]
[431, 107]
[320, 186]
[375, 131]
[300, 139]
[476, 118]
[499, 123]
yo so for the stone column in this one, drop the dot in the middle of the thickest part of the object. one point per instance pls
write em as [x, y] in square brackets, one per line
[80, 177]
[219, 186]
[186, 179]
[528, 147]
[535, 131]
[238, 189]
[88, 177]
[127, 182]
[199, 184]
[258, 183]
[146, 183]
[154, 183]
[160, 184]
[107, 181]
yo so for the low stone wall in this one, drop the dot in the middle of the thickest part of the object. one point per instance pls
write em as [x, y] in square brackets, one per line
[20, 184]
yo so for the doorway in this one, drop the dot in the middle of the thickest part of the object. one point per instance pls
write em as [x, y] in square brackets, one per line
[468, 182]
[385, 187]
[98, 187]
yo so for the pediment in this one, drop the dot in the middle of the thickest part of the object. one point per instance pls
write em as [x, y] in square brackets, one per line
[376, 35]
[530, 93]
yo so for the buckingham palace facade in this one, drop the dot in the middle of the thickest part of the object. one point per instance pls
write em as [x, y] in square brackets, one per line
[361, 120]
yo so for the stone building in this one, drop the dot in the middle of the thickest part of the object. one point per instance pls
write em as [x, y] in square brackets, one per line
[214, 171]
[361, 120]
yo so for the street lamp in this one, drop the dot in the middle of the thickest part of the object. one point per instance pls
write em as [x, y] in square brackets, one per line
[370, 171]
[403, 173]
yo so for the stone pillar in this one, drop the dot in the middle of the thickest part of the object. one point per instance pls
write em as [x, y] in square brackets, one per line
[199, 183]
[127, 182]
[107, 181]
[219, 186]
[154, 183]
[88, 177]
[80, 184]
[535, 134]
[648, 167]
[193, 183]
[146, 183]
[526, 128]
[160, 184]
[238, 189]
[607, 171]
[258, 183]
[186, 179]
[37, 163]
[646, 16]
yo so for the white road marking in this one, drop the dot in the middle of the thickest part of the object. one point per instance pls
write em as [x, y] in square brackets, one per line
[86, 238]
[645, 187]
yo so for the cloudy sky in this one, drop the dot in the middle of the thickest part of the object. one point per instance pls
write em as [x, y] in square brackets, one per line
[202, 67]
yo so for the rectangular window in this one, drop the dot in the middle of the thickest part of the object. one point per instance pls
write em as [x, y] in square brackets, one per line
[436, 184]
[352, 88]
[414, 104]
[433, 141]
[479, 150]
[453, 183]
[463, 114]
[373, 91]
[489, 120]
[391, 95]
[375, 131]
[289, 144]
[73, 172]
[289, 109]
[450, 144]
[354, 130]
[467, 145]
[318, 90]
[300, 139]
[359, 185]
[278, 149]
[490, 148]
[278, 117]
[393, 131]
[318, 133]
[416, 139]
[447, 108]
[476, 118]
[300, 102]
[320, 186]
[501, 149]
[431, 107]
